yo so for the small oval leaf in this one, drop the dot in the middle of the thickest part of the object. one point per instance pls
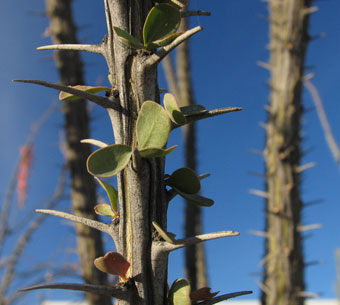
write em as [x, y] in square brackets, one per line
[193, 109]
[196, 199]
[153, 152]
[113, 263]
[179, 293]
[162, 20]
[173, 110]
[185, 180]
[64, 96]
[128, 39]
[112, 193]
[104, 209]
[153, 126]
[109, 161]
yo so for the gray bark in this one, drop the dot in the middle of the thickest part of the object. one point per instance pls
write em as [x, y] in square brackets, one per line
[284, 280]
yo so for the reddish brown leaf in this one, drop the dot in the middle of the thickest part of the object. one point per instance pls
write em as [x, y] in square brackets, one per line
[202, 294]
[26, 152]
[113, 263]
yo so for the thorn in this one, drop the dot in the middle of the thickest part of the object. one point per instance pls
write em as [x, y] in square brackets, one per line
[256, 174]
[195, 13]
[313, 202]
[263, 287]
[315, 37]
[208, 114]
[258, 193]
[308, 76]
[259, 233]
[94, 142]
[97, 99]
[304, 167]
[256, 152]
[203, 176]
[313, 263]
[310, 10]
[309, 227]
[306, 294]
[263, 125]
[264, 260]
[92, 48]
[162, 52]
[264, 65]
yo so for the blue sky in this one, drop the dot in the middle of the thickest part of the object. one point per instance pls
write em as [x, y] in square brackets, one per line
[225, 74]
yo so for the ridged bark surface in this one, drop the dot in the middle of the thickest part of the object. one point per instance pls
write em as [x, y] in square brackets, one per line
[284, 279]
[83, 190]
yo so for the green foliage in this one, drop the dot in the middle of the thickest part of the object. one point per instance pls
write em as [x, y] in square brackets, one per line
[159, 28]
[128, 39]
[162, 21]
[179, 293]
[153, 126]
[111, 192]
[153, 152]
[109, 161]
[173, 110]
[196, 199]
[64, 96]
[193, 110]
[184, 180]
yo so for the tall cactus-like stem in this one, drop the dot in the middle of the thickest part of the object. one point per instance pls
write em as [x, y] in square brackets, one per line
[284, 279]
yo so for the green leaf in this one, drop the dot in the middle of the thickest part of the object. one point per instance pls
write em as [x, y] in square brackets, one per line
[128, 39]
[193, 109]
[196, 199]
[153, 152]
[164, 41]
[64, 96]
[162, 20]
[109, 161]
[168, 237]
[104, 209]
[179, 293]
[185, 180]
[153, 126]
[173, 110]
[111, 192]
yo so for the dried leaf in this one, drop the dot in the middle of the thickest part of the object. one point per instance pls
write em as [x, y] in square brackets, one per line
[113, 263]
[202, 294]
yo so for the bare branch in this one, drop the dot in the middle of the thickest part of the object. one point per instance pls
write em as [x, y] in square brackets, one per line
[334, 147]
[92, 48]
[116, 292]
[180, 243]
[224, 297]
[208, 114]
[99, 100]
[195, 13]
[162, 52]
